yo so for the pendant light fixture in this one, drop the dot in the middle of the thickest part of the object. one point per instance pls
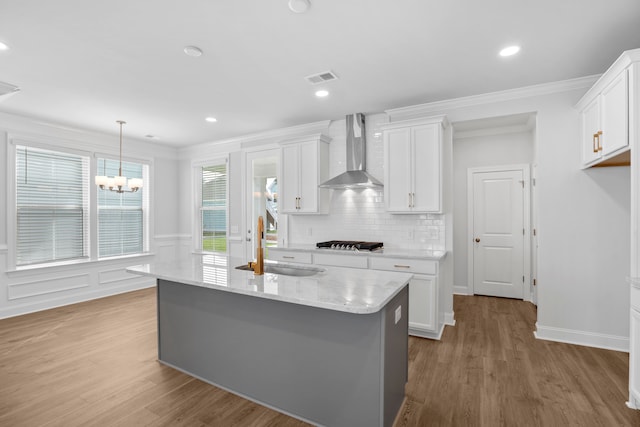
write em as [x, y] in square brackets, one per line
[117, 183]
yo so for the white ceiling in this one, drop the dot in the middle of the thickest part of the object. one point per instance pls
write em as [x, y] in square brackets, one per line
[89, 63]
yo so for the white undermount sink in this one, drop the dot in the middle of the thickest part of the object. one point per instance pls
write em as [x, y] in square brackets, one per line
[287, 270]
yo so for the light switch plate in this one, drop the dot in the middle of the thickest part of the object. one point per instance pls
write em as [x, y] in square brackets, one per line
[398, 313]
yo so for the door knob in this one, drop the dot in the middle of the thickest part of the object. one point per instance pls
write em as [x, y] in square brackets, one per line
[477, 240]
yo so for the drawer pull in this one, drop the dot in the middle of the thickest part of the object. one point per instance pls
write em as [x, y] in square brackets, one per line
[401, 266]
[288, 257]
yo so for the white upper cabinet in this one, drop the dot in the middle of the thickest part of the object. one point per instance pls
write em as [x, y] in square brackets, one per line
[605, 112]
[413, 165]
[590, 118]
[304, 165]
[615, 115]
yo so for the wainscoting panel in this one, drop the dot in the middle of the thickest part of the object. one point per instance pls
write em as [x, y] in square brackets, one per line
[38, 289]
[47, 286]
[117, 277]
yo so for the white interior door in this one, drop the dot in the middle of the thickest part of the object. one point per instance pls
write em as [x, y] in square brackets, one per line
[262, 197]
[498, 233]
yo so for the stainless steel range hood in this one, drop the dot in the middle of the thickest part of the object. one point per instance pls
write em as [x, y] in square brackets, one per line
[356, 175]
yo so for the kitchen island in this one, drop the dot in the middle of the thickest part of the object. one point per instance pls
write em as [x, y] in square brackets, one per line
[329, 348]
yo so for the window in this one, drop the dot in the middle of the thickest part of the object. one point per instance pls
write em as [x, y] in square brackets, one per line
[213, 208]
[121, 216]
[51, 206]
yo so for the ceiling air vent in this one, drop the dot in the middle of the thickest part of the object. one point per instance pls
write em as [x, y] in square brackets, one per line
[323, 77]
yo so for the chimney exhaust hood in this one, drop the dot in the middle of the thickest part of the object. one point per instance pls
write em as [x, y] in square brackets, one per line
[356, 175]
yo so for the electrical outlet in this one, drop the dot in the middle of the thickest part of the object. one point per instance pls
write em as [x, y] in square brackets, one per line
[398, 313]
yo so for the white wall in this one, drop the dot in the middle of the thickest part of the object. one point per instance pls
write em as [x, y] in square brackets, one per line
[583, 217]
[469, 151]
[25, 291]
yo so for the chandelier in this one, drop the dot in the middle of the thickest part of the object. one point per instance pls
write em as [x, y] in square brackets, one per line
[117, 183]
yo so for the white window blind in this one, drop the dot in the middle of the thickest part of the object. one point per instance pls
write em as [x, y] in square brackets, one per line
[121, 216]
[213, 209]
[51, 206]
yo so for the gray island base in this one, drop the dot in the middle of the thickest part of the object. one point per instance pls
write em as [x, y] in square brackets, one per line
[322, 366]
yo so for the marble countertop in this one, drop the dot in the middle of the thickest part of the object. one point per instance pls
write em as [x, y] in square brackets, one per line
[395, 253]
[335, 288]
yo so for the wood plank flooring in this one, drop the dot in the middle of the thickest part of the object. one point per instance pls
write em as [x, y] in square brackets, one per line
[94, 364]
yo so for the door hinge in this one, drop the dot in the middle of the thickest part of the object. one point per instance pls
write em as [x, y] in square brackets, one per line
[533, 181]
[523, 231]
[534, 282]
[522, 182]
[534, 232]
[522, 279]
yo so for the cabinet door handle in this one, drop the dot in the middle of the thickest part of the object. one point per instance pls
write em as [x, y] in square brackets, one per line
[599, 142]
[288, 257]
[595, 146]
[401, 266]
[413, 200]
[477, 240]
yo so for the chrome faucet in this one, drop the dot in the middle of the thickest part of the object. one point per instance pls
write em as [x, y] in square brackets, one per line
[258, 265]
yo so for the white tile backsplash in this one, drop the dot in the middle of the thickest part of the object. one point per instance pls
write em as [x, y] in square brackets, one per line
[361, 214]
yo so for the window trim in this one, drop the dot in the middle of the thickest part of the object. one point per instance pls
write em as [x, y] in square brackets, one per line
[148, 222]
[69, 146]
[196, 172]
[146, 207]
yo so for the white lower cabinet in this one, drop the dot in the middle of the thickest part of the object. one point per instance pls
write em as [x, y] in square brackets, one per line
[425, 319]
[423, 306]
[289, 256]
[423, 293]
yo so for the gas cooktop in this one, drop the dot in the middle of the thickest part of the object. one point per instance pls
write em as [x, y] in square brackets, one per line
[349, 245]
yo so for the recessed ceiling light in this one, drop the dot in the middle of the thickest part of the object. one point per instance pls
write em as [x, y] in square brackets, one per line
[193, 51]
[4, 46]
[299, 6]
[322, 93]
[211, 119]
[511, 50]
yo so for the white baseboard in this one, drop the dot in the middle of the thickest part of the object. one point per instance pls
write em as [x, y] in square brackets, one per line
[461, 290]
[589, 339]
[449, 318]
[424, 334]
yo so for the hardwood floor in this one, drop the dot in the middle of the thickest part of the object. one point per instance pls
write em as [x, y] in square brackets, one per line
[94, 364]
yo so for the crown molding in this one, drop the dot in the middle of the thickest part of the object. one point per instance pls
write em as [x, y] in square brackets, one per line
[34, 128]
[260, 138]
[415, 111]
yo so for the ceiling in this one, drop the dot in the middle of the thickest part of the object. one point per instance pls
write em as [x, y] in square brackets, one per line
[89, 63]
